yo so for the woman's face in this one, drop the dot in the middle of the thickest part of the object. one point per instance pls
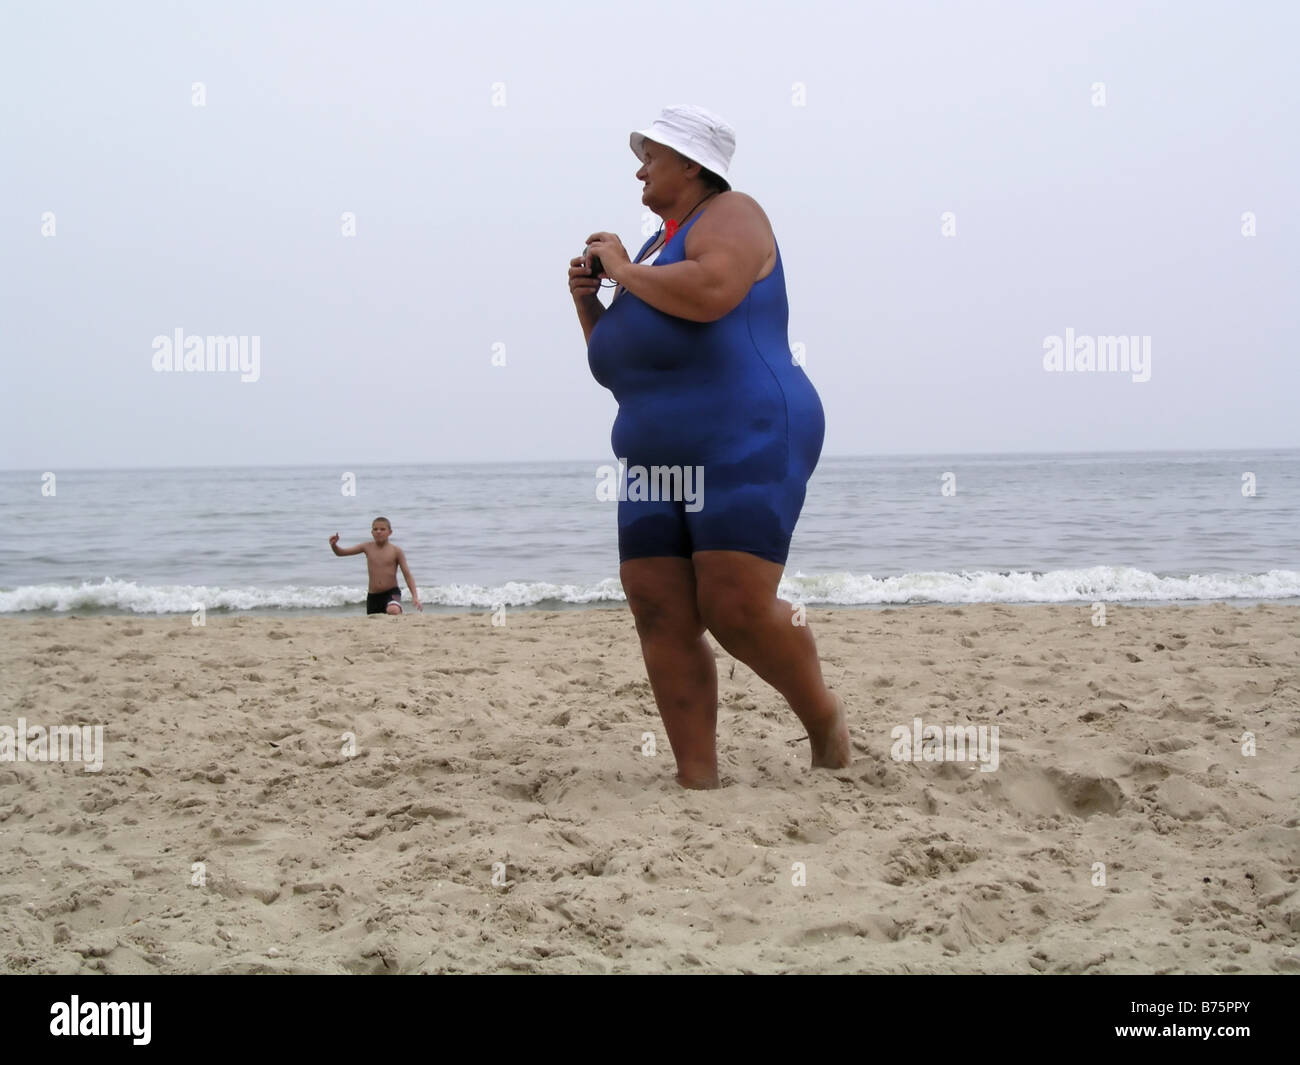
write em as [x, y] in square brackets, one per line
[661, 174]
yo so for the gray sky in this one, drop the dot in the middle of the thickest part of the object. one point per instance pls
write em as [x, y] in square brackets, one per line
[225, 219]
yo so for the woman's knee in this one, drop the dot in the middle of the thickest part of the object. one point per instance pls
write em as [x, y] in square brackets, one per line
[730, 614]
[662, 599]
[658, 615]
[731, 605]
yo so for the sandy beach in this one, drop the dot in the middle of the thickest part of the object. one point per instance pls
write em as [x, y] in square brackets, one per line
[441, 794]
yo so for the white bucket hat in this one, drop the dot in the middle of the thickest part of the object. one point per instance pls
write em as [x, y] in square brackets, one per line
[699, 135]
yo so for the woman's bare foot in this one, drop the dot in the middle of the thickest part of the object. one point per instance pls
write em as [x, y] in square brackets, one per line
[830, 748]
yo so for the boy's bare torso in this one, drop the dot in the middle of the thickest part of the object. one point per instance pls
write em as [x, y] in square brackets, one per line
[382, 564]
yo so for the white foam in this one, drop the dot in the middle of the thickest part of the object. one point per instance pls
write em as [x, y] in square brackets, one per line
[169, 598]
[1098, 584]
[525, 593]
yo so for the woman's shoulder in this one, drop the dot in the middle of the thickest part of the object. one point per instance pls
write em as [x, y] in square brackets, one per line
[731, 209]
[737, 201]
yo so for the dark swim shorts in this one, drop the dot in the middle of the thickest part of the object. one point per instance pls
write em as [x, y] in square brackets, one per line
[377, 602]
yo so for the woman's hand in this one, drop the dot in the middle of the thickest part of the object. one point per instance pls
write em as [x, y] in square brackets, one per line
[581, 284]
[610, 251]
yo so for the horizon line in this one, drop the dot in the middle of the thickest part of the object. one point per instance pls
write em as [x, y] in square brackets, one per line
[559, 461]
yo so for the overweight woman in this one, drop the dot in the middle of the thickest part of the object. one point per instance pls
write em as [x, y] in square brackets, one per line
[694, 348]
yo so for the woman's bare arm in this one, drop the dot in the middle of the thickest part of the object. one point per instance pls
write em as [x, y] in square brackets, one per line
[589, 311]
[584, 287]
[725, 251]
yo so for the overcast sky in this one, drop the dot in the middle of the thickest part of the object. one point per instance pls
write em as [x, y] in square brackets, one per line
[1097, 160]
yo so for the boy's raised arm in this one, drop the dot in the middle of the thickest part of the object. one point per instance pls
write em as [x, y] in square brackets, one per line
[410, 581]
[334, 546]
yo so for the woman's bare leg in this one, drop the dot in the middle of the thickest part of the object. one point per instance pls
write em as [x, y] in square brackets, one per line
[678, 660]
[738, 602]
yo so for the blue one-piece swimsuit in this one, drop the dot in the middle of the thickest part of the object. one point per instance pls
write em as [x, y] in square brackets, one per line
[725, 397]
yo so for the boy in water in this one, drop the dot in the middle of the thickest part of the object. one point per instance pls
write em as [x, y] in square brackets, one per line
[382, 560]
